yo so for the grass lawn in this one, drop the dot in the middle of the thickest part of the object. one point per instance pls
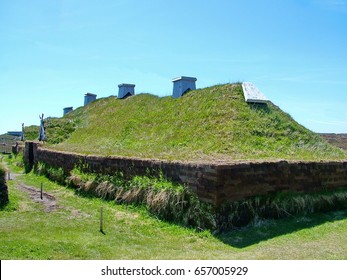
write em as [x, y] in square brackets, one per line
[70, 230]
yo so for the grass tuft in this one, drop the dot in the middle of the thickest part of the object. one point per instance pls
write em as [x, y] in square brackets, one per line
[162, 198]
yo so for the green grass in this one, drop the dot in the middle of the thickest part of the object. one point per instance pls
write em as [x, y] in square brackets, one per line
[72, 232]
[31, 132]
[57, 130]
[211, 124]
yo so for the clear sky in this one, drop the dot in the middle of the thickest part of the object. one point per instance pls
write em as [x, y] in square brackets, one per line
[53, 52]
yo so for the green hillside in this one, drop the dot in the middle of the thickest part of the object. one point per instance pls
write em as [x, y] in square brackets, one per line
[210, 124]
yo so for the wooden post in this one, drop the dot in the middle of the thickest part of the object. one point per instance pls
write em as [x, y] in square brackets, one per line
[101, 221]
[41, 191]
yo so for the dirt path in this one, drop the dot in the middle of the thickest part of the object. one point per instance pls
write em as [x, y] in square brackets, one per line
[49, 201]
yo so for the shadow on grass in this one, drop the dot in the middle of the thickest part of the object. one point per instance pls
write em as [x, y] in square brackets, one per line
[268, 229]
[3, 205]
[260, 107]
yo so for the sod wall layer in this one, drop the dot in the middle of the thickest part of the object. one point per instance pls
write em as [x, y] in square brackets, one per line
[3, 188]
[216, 183]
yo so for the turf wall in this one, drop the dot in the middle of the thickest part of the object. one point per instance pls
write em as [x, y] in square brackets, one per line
[216, 183]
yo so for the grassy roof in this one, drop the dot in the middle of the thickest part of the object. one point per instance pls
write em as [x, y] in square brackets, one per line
[210, 124]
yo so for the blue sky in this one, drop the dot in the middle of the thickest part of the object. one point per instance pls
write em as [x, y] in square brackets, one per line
[53, 52]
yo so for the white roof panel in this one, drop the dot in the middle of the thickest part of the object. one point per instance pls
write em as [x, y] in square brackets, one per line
[253, 94]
